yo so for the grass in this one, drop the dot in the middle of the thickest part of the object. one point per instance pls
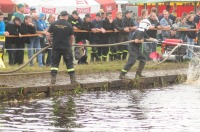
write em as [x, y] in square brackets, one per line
[95, 67]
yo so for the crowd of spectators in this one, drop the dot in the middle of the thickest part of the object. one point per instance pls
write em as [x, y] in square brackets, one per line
[123, 26]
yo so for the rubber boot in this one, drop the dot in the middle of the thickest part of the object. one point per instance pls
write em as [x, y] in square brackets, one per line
[110, 57]
[73, 79]
[104, 59]
[124, 55]
[123, 76]
[96, 57]
[53, 79]
[92, 57]
[119, 56]
[115, 57]
[139, 69]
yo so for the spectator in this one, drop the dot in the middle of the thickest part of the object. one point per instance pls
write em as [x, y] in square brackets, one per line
[42, 27]
[144, 14]
[185, 14]
[32, 10]
[19, 12]
[166, 24]
[120, 35]
[103, 14]
[152, 33]
[80, 54]
[96, 37]
[191, 13]
[128, 23]
[191, 35]
[171, 16]
[50, 19]
[76, 22]
[108, 24]
[182, 25]
[197, 17]
[176, 22]
[138, 20]
[14, 28]
[154, 9]
[2, 26]
[173, 34]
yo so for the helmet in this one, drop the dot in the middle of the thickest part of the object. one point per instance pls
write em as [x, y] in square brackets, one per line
[145, 24]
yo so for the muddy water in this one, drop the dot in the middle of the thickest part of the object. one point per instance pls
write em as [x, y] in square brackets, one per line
[173, 108]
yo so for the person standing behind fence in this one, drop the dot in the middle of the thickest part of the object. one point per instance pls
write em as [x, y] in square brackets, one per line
[63, 37]
[119, 36]
[166, 24]
[50, 19]
[76, 22]
[42, 27]
[15, 56]
[128, 23]
[152, 33]
[191, 35]
[2, 26]
[19, 13]
[96, 37]
[108, 37]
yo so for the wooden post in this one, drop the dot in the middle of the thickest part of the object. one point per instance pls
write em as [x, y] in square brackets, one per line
[195, 7]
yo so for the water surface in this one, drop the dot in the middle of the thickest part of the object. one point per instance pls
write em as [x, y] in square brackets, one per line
[175, 108]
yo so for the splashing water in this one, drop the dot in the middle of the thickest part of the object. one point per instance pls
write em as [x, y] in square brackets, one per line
[193, 75]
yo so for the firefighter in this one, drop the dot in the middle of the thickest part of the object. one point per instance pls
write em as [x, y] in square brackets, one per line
[119, 36]
[128, 23]
[76, 22]
[134, 50]
[96, 37]
[107, 38]
[63, 37]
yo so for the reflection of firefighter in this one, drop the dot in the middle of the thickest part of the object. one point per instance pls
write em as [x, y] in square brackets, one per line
[134, 50]
[63, 37]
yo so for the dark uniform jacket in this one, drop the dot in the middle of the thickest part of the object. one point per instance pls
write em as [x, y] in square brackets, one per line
[96, 36]
[128, 22]
[13, 29]
[119, 24]
[27, 29]
[77, 23]
[191, 34]
[108, 37]
[87, 26]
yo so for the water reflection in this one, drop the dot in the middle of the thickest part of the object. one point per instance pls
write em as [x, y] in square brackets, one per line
[168, 109]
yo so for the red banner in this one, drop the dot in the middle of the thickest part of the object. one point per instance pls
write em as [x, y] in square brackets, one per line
[83, 10]
[48, 10]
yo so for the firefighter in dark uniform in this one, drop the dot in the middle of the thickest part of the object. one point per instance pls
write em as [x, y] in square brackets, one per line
[63, 37]
[96, 37]
[134, 50]
[128, 23]
[118, 37]
[108, 38]
[76, 22]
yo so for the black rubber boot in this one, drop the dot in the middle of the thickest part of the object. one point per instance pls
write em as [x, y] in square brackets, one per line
[139, 69]
[110, 57]
[115, 57]
[124, 55]
[119, 56]
[92, 57]
[104, 59]
[123, 76]
[53, 79]
[73, 79]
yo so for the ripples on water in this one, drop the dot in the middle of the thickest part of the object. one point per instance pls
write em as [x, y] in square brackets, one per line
[174, 108]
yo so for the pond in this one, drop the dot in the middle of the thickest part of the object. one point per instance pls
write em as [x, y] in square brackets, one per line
[174, 108]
